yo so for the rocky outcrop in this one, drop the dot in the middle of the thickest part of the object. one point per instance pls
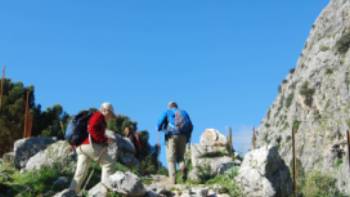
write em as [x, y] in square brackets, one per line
[127, 184]
[122, 149]
[59, 152]
[212, 155]
[212, 138]
[161, 187]
[99, 190]
[264, 173]
[316, 93]
[24, 149]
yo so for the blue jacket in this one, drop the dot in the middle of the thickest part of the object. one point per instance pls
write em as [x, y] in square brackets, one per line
[167, 121]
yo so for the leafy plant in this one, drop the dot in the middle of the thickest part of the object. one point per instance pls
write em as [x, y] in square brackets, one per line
[227, 180]
[32, 183]
[338, 162]
[289, 100]
[307, 93]
[204, 173]
[329, 71]
[296, 125]
[320, 185]
[291, 71]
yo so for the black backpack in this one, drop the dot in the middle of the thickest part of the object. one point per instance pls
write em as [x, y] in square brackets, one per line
[77, 129]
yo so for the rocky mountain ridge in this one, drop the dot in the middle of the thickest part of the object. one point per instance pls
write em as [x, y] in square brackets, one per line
[315, 96]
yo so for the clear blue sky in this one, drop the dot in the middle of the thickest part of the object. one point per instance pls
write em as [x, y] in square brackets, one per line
[221, 60]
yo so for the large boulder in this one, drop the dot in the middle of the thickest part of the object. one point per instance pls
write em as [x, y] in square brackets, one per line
[122, 149]
[24, 149]
[98, 191]
[264, 173]
[211, 157]
[212, 137]
[200, 151]
[124, 144]
[127, 184]
[59, 152]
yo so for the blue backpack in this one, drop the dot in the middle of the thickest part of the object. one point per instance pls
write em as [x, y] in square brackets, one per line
[77, 130]
[183, 123]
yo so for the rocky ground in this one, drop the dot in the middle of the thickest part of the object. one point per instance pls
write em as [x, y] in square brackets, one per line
[213, 166]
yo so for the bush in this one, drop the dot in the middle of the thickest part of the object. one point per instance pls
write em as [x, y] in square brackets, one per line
[308, 93]
[320, 185]
[227, 181]
[289, 100]
[329, 71]
[204, 173]
[291, 71]
[33, 183]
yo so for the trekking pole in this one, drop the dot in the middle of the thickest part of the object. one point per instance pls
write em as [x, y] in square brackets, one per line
[93, 170]
[26, 117]
[348, 140]
[254, 139]
[294, 130]
[229, 140]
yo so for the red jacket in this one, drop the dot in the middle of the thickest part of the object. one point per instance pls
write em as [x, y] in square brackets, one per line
[97, 127]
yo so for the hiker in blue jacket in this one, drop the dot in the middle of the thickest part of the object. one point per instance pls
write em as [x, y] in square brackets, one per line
[177, 125]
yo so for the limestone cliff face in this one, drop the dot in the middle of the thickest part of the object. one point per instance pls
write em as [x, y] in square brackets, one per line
[317, 93]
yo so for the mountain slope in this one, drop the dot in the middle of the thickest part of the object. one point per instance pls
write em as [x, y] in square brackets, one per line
[316, 93]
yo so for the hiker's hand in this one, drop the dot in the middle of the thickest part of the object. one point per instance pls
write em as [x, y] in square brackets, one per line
[110, 141]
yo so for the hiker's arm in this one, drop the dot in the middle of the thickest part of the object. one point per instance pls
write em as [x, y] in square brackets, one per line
[97, 129]
[162, 122]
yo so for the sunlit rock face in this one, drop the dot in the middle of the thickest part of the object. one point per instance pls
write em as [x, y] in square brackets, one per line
[317, 93]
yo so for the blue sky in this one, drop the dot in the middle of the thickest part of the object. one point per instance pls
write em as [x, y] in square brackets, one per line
[221, 60]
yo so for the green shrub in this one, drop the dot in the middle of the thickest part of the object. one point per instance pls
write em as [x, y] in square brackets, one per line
[204, 173]
[320, 185]
[289, 100]
[308, 93]
[296, 125]
[291, 71]
[37, 182]
[338, 162]
[227, 180]
[329, 71]
[113, 194]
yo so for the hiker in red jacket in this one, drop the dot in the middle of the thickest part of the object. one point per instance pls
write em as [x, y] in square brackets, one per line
[94, 148]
